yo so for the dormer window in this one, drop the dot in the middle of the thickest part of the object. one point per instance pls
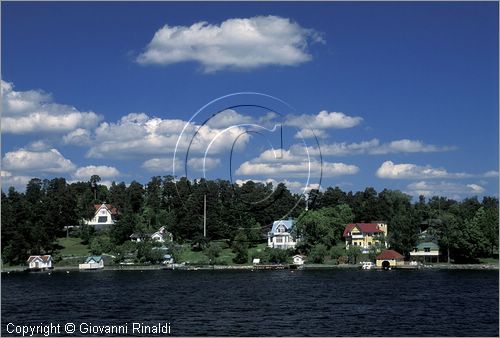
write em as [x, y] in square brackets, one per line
[281, 229]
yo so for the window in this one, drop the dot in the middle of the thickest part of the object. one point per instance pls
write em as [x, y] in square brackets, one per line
[279, 240]
[103, 212]
[281, 229]
[355, 243]
[102, 219]
[427, 249]
[369, 243]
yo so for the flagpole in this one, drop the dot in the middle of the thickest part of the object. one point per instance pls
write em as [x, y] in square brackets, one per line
[205, 216]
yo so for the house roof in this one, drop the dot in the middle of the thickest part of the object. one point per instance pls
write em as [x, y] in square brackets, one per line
[390, 254]
[289, 223]
[140, 235]
[431, 245]
[363, 227]
[44, 258]
[96, 259]
[110, 207]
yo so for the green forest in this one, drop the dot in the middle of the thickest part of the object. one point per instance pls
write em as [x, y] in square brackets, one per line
[33, 220]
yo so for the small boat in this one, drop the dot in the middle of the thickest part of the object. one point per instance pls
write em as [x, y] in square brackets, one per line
[368, 266]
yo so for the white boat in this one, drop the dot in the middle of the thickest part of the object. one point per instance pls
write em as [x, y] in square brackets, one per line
[367, 266]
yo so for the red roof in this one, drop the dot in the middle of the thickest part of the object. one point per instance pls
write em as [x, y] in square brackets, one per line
[390, 254]
[44, 258]
[363, 227]
[110, 207]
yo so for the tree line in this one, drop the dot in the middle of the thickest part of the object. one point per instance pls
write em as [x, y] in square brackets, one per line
[242, 215]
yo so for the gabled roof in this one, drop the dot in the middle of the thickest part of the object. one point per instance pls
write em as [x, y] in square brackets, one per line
[110, 208]
[96, 259]
[389, 254]
[44, 258]
[431, 245]
[289, 223]
[139, 235]
[363, 227]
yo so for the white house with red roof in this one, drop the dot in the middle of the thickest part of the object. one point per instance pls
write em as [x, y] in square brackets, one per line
[40, 262]
[365, 235]
[104, 216]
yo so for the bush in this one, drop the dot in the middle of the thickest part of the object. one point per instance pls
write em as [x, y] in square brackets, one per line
[354, 252]
[318, 253]
[101, 244]
[342, 260]
[240, 248]
[213, 251]
[336, 252]
[278, 256]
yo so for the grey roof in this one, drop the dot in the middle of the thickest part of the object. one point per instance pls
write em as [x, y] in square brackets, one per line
[96, 259]
[431, 245]
[289, 223]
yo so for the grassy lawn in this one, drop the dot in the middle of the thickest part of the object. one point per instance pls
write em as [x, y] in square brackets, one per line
[226, 256]
[489, 261]
[255, 250]
[72, 247]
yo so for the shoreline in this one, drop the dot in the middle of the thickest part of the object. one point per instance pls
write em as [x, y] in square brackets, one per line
[252, 268]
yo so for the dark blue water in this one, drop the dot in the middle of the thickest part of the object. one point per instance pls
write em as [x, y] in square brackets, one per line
[276, 303]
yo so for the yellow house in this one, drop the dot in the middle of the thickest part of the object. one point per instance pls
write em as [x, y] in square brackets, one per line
[389, 259]
[365, 235]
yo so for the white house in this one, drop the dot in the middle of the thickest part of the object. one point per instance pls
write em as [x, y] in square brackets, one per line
[298, 260]
[104, 216]
[40, 262]
[92, 263]
[160, 236]
[280, 235]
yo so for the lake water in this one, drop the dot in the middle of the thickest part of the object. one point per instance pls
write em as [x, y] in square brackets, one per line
[271, 303]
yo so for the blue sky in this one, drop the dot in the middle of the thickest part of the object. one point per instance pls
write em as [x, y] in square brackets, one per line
[401, 95]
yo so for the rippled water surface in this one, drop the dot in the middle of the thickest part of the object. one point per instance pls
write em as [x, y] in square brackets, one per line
[271, 303]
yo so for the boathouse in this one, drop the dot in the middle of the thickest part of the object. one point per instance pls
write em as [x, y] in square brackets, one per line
[92, 263]
[40, 262]
[389, 259]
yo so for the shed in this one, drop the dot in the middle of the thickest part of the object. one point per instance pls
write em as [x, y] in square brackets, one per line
[389, 259]
[92, 263]
[40, 262]
[298, 260]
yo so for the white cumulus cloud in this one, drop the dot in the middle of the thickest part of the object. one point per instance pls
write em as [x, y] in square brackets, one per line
[324, 120]
[372, 147]
[104, 172]
[442, 188]
[240, 43]
[198, 163]
[228, 118]
[139, 135]
[17, 181]
[388, 169]
[283, 163]
[310, 133]
[80, 136]
[34, 111]
[409, 146]
[49, 161]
